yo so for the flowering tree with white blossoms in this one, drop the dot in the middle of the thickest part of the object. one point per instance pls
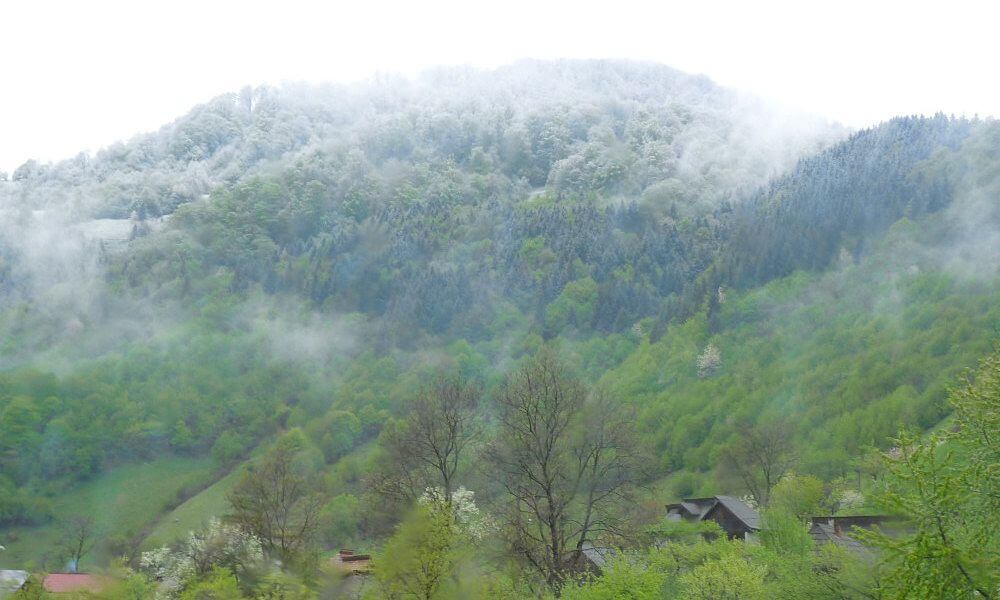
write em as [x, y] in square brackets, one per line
[850, 499]
[467, 520]
[218, 545]
[427, 552]
[709, 360]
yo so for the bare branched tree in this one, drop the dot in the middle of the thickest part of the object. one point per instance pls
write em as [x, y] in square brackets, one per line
[79, 537]
[427, 447]
[759, 457]
[567, 461]
[276, 502]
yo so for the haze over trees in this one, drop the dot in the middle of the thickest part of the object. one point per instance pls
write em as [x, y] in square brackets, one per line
[485, 323]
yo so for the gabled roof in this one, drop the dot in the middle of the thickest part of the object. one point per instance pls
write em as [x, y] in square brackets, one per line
[59, 583]
[825, 533]
[700, 508]
[696, 507]
[598, 556]
[740, 509]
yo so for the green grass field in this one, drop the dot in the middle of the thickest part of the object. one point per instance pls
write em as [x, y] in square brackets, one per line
[189, 516]
[198, 509]
[122, 502]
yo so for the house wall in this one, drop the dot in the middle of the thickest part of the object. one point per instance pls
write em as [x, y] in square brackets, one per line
[734, 528]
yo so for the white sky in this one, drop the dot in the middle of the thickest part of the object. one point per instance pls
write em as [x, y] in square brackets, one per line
[78, 75]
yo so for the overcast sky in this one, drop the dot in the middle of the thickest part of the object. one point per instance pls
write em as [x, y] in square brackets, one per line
[80, 75]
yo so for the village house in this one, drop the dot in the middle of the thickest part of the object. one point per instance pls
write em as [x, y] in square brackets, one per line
[736, 518]
[741, 521]
[595, 558]
[837, 530]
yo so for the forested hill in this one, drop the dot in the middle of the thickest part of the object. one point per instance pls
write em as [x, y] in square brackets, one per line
[299, 260]
[838, 202]
[415, 200]
[443, 260]
[578, 127]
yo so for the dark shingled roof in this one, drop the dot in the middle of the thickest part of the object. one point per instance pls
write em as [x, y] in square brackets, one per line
[698, 508]
[739, 508]
[825, 533]
[598, 556]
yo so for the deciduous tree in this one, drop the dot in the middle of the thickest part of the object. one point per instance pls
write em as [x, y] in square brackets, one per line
[79, 537]
[759, 456]
[567, 461]
[948, 486]
[276, 501]
[426, 449]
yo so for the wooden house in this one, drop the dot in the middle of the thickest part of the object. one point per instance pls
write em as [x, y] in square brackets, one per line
[736, 518]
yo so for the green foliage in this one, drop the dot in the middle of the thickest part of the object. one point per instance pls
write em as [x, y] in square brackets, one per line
[625, 579]
[277, 500]
[122, 501]
[326, 249]
[229, 447]
[420, 560]
[684, 531]
[847, 357]
[32, 590]
[220, 584]
[213, 391]
[730, 569]
[193, 513]
[282, 586]
[785, 532]
[724, 579]
[338, 433]
[340, 520]
[574, 307]
[801, 496]
[946, 485]
[128, 585]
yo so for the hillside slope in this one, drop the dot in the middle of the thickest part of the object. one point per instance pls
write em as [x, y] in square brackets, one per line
[324, 251]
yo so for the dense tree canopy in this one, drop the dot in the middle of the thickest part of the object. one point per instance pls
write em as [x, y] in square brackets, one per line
[304, 262]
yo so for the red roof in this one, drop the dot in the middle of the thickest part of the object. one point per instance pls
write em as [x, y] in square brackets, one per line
[59, 583]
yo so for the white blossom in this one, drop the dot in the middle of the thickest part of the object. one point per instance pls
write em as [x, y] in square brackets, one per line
[709, 361]
[219, 544]
[850, 499]
[468, 519]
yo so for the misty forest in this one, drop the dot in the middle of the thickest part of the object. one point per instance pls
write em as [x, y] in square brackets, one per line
[589, 330]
